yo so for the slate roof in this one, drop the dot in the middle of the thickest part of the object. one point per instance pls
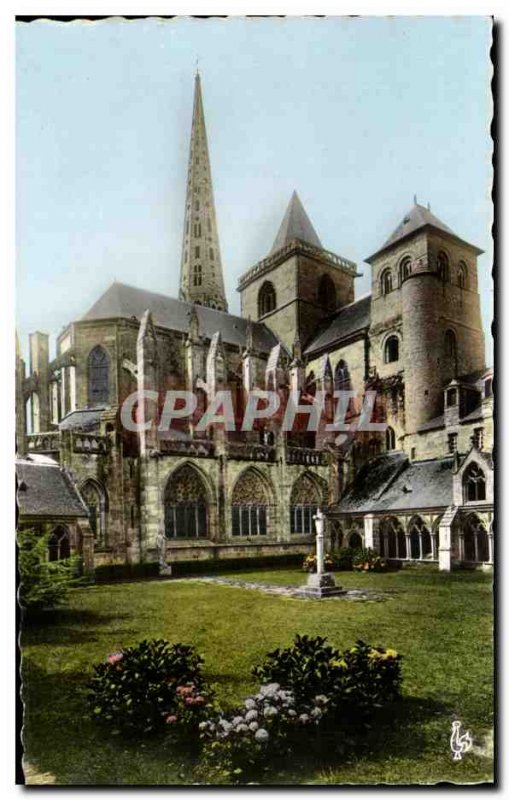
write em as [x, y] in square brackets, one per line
[417, 218]
[295, 225]
[477, 413]
[392, 483]
[121, 300]
[349, 320]
[86, 420]
[46, 490]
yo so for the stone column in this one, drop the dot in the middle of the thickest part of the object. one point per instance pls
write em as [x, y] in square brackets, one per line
[444, 550]
[368, 531]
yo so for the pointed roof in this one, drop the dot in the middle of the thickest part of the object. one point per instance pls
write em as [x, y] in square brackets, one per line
[201, 273]
[414, 220]
[295, 225]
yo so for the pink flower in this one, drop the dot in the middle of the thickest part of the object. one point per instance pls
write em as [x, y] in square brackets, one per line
[199, 700]
[114, 658]
[183, 691]
[171, 719]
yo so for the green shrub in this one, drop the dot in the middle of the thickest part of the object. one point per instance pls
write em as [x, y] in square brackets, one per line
[361, 679]
[368, 561]
[43, 584]
[345, 557]
[150, 687]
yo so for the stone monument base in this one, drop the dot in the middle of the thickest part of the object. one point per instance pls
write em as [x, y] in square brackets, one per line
[321, 585]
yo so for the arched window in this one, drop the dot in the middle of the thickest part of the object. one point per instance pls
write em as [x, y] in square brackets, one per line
[266, 299]
[327, 293]
[392, 538]
[391, 350]
[185, 505]
[452, 397]
[355, 541]
[443, 267]
[336, 536]
[462, 275]
[390, 439]
[59, 544]
[474, 484]
[342, 381]
[95, 499]
[304, 502]
[405, 269]
[475, 540]
[98, 377]
[420, 539]
[251, 500]
[386, 281]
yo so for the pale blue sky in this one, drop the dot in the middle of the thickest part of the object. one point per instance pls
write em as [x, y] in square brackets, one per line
[357, 114]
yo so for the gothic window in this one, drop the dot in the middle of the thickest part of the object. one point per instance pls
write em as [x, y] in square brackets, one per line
[250, 505]
[405, 268]
[342, 382]
[98, 377]
[197, 232]
[386, 282]
[443, 267]
[266, 299]
[197, 251]
[420, 539]
[355, 541]
[327, 293]
[59, 544]
[390, 439]
[391, 350]
[474, 484]
[185, 505]
[475, 540]
[462, 275]
[392, 538]
[304, 502]
[95, 499]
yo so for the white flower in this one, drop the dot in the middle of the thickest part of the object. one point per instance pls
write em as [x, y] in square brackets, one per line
[292, 712]
[253, 726]
[304, 718]
[226, 726]
[250, 703]
[203, 726]
[237, 721]
[321, 700]
[251, 715]
[316, 713]
[261, 735]
[270, 711]
[242, 728]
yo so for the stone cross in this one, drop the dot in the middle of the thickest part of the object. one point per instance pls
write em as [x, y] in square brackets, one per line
[319, 519]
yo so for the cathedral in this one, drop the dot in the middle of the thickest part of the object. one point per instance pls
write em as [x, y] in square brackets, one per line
[420, 490]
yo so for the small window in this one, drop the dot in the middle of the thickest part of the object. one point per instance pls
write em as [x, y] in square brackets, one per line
[197, 251]
[405, 268]
[488, 387]
[98, 377]
[197, 230]
[462, 275]
[386, 282]
[478, 438]
[266, 299]
[452, 397]
[451, 348]
[413, 453]
[197, 205]
[452, 442]
[443, 267]
[390, 439]
[211, 253]
[342, 381]
[391, 350]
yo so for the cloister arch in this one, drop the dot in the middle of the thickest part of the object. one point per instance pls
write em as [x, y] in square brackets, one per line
[59, 544]
[186, 504]
[305, 499]
[96, 499]
[252, 502]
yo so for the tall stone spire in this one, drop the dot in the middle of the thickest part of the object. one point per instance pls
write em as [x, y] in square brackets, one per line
[201, 274]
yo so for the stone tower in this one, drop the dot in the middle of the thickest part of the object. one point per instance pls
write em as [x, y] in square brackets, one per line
[201, 273]
[425, 312]
[298, 283]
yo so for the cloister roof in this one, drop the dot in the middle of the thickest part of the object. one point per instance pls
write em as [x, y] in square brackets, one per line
[392, 483]
[46, 490]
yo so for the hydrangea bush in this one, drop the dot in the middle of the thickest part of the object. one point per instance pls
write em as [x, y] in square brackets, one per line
[151, 687]
[368, 561]
[309, 564]
[238, 745]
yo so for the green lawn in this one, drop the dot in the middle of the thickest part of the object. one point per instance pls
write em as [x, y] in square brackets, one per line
[441, 623]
